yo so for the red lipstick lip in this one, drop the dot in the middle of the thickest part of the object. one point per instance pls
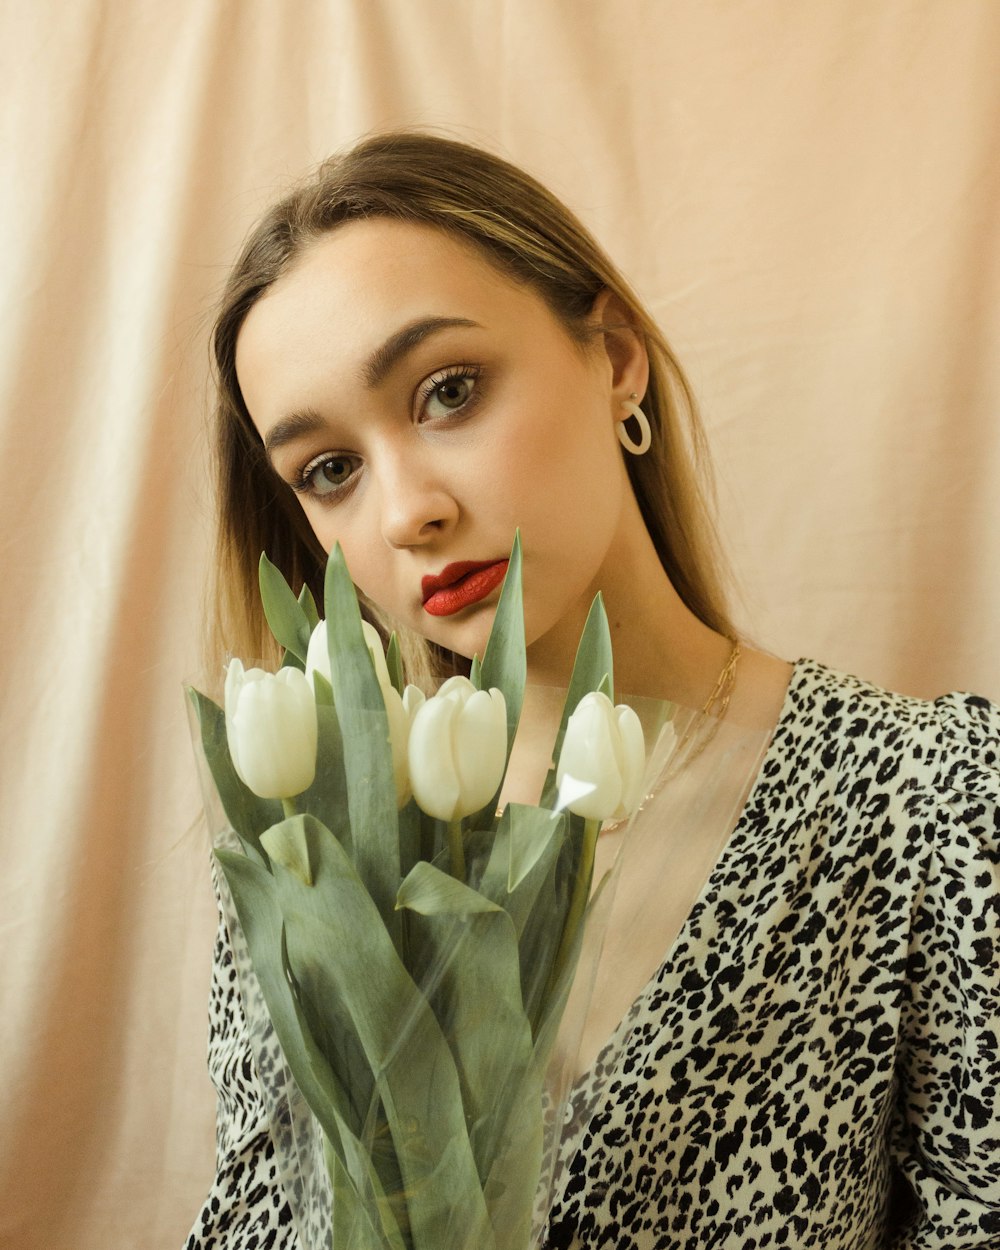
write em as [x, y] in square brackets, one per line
[460, 584]
[450, 574]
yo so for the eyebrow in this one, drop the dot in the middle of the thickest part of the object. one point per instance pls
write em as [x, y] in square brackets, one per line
[288, 429]
[374, 372]
[384, 359]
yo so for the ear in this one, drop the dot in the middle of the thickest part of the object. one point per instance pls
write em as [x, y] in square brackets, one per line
[623, 345]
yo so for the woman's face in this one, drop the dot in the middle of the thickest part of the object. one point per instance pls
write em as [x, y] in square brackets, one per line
[424, 406]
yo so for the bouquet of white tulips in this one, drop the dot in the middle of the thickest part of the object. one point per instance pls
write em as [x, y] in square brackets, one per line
[413, 947]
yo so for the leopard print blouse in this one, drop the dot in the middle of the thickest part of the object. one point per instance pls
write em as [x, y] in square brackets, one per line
[817, 1062]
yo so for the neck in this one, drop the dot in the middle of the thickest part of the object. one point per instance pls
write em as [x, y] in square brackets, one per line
[661, 649]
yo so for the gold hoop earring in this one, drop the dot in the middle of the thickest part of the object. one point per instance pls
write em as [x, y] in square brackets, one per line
[645, 431]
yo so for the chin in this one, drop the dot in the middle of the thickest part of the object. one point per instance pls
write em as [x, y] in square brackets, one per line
[464, 641]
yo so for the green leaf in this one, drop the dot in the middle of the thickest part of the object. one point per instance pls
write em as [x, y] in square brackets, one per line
[249, 814]
[285, 616]
[326, 798]
[327, 926]
[255, 897]
[468, 950]
[351, 1222]
[429, 891]
[534, 832]
[394, 663]
[308, 605]
[371, 787]
[539, 901]
[505, 664]
[525, 848]
[322, 690]
[593, 669]
[286, 844]
[409, 836]
[476, 672]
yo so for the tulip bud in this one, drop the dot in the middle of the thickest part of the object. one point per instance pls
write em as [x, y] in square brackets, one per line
[602, 760]
[272, 729]
[400, 712]
[458, 749]
[318, 654]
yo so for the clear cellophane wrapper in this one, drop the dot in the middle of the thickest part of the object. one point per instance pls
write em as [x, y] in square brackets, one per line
[485, 1176]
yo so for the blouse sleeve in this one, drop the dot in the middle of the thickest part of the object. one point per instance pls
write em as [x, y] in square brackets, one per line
[246, 1207]
[946, 1129]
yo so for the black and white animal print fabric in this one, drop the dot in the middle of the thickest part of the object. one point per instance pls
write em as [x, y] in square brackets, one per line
[817, 1061]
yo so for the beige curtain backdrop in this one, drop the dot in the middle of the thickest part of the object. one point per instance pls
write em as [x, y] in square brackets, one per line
[805, 191]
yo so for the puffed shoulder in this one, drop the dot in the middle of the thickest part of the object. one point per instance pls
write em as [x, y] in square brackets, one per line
[932, 770]
[947, 1130]
[969, 742]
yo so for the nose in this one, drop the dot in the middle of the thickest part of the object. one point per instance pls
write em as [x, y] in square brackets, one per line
[416, 504]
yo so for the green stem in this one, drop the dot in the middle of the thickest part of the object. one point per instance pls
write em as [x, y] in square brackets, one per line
[457, 849]
[289, 808]
[578, 902]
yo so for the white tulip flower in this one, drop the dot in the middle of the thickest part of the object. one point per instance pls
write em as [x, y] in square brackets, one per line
[318, 654]
[272, 729]
[400, 711]
[458, 749]
[602, 760]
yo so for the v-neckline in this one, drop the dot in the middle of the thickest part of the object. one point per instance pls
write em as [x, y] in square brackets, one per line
[803, 671]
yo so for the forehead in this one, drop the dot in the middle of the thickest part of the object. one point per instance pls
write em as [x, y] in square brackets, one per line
[316, 328]
[366, 276]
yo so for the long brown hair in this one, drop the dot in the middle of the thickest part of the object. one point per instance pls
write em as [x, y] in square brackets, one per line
[528, 235]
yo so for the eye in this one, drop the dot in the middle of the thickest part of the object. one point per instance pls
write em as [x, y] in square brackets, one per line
[325, 475]
[447, 392]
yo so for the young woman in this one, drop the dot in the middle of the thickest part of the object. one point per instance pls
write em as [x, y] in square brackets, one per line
[419, 351]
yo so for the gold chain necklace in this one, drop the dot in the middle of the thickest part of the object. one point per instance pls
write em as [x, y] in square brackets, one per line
[722, 692]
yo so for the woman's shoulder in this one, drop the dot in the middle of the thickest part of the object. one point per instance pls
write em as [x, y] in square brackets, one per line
[949, 745]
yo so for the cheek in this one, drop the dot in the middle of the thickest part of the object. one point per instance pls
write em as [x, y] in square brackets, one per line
[322, 526]
[369, 561]
[360, 555]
